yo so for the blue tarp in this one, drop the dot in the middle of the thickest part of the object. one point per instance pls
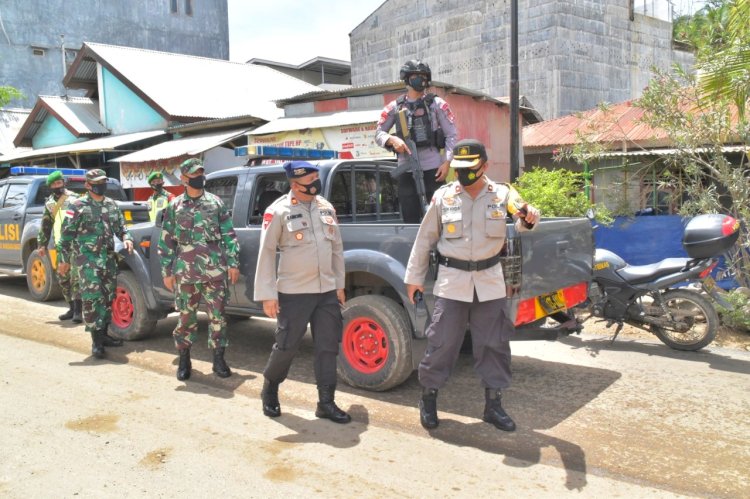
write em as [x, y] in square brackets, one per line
[648, 239]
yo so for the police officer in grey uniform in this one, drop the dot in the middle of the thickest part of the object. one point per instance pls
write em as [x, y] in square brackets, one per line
[466, 223]
[308, 289]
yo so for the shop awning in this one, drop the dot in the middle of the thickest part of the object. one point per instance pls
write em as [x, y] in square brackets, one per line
[94, 145]
[325, 121]
[186, 146]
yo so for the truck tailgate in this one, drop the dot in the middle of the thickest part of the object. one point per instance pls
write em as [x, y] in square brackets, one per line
[558, 254]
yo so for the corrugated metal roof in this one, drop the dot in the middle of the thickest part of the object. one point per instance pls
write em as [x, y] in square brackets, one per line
[618, 123]
[672, 151]
[80, 113]
[93, 145]
[318, 121]
[11, 121]
[180, 147]
[184, 86]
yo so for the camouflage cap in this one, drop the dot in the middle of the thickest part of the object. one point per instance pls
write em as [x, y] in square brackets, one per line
[95, 175]
[190, 166]
[54, 177]
[153, 175]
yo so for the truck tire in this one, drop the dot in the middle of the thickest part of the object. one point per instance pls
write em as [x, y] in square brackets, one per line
[40, 278]
[130, 317]
[375, 345]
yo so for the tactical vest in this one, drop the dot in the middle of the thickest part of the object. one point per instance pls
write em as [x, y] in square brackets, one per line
[419, 122]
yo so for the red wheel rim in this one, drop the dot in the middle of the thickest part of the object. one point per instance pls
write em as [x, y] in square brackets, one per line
[365, 345]
[122, 308]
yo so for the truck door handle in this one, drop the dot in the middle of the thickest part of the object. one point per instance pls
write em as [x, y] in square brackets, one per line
[17, 216]
[562, 247]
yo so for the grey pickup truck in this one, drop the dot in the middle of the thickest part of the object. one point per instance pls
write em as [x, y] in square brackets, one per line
[22, 197]
[383, 338]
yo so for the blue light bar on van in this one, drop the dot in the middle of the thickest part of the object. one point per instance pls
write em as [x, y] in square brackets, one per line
[279, 152]
[39, 170]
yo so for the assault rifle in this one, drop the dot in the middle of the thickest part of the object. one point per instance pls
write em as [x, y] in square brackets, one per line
[412, 160]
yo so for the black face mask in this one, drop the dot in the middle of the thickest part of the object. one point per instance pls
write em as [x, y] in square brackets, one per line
[157, 187]
[98, 189]
[197, 182]
[418, 82]
[313, 188]
[467, 176]
[58, 191]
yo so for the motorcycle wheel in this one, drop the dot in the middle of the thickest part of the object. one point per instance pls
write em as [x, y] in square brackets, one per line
[697, 312]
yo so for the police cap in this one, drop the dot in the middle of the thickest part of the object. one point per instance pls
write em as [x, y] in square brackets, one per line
[468, 153]
[297, 169]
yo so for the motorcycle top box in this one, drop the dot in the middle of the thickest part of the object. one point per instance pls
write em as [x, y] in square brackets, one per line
[707, 236]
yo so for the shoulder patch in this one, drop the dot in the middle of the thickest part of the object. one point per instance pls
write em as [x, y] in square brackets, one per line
[267, 218]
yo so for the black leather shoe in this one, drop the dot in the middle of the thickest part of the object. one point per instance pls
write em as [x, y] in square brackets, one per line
[428, 409]
[77, 311]
[327, 408]
[67, 315]
[220, 366]
[270, 397]
[110, 341]
[494, 412]
[185, 366]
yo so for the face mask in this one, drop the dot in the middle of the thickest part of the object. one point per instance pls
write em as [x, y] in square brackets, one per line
[197, 182]
[98, 189]
[312, 188]
[418, 82]
[58, 191]
[467, 176]
[157, 187]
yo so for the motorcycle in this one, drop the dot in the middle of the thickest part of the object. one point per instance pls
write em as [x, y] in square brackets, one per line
[645, 296]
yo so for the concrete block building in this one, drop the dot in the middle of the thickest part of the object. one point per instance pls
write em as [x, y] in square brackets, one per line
[573, 54]
[32, 52]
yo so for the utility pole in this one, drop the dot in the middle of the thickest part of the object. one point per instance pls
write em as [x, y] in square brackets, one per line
[514, 96]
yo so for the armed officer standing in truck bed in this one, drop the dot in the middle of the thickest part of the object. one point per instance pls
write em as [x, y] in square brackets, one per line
[308, 290]
[466, 223]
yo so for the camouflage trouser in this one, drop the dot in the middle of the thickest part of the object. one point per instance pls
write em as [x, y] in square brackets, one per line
[69, 283]
[97, 281]
[187, 299]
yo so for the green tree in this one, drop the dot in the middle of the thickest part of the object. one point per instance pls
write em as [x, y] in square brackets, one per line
[8, 94]
[557, 193]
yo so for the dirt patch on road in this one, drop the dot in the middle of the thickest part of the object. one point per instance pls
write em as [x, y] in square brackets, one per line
[98, 423]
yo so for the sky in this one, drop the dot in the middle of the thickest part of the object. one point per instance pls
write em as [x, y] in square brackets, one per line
[295, 31]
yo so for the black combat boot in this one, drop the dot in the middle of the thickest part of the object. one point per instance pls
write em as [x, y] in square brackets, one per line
[494, 413]
[69, 314]
[327, 408]
[428, 409]
[110, 341]
[183, 369]
[270, 397]
[97, 344]
[77, 311]
[220, 366]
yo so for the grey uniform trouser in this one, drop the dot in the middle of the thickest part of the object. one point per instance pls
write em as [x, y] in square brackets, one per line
[490, 332]
[323, 312]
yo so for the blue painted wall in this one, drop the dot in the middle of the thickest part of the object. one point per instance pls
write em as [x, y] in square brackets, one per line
[648, 239]
[53, 133]
[124, 111]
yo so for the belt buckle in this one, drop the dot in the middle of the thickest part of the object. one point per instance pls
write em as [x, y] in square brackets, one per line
[473, 266]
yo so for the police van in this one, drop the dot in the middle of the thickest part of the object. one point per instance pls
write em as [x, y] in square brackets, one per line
[22, 197]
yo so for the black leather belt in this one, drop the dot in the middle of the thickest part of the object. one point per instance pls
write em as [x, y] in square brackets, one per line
[469, 265]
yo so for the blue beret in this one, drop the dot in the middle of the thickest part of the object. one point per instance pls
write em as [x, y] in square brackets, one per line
[297, 169]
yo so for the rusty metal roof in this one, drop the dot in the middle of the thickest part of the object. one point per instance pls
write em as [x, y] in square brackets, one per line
[616, 125]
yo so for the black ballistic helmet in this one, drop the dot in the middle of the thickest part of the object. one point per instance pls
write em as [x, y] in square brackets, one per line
[412, 67]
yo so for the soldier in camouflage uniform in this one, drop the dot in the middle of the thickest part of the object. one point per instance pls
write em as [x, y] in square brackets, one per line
[91, 222]
[160, 198]
[199, 250]
[54, 212]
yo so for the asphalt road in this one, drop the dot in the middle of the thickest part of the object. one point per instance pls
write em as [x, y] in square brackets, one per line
[631, 419]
